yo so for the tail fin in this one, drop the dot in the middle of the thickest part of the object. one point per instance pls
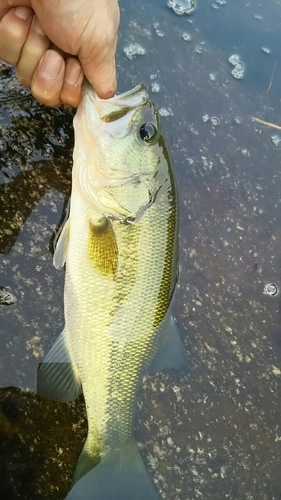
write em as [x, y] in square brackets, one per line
[120, 477]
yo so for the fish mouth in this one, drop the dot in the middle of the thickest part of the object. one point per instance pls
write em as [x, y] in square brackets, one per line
[117, 106]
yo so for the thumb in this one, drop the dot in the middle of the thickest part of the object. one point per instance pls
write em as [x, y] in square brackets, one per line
[98, 47]
[100, 70]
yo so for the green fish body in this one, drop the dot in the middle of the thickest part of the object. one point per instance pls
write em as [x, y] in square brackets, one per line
[120, 249]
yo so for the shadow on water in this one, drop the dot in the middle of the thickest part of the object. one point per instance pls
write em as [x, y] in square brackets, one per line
[38, 438]
[214, 433]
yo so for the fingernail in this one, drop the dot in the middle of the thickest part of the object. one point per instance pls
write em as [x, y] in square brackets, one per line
[37, 26]
[23, 12]
[51, 65]
[72, 74]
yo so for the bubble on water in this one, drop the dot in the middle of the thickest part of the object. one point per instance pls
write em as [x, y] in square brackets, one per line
[221, 2]
[152, 77]
[257, 16]
[198, 49]
[266, 50]
[7, 298]
[238, 120]
[212, 77]
[157, 30]
[215, 121]
[155, 87]
[271, 289]
[238, 72]
[276, 139]
[181, 7]
[215, 6]
[186, 37]
[134, 49]
[165, 112]
[205, 118]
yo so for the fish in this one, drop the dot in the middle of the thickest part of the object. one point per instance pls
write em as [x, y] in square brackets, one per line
[119, 246]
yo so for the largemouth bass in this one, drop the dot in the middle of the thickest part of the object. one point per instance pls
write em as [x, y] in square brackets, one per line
[120, 249]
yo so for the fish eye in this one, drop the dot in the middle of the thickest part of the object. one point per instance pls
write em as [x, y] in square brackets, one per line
[148, 132]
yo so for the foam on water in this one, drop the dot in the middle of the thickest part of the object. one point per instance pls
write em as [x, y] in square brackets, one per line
[133, 50]
[186, 37]
[157, 30]
[276, 139]
[181, 7]
[155, 87]
[238, 120]
[165, 112]
[238, 71]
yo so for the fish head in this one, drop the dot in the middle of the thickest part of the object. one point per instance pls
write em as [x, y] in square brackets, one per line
[118, 152]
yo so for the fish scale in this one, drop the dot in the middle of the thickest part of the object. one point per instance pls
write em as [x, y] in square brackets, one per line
[120, 250]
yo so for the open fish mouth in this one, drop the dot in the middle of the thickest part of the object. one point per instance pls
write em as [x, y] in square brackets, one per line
[114, 108]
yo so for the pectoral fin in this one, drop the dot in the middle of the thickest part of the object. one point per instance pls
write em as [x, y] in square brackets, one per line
[102, 247]
[57, 377]
[170, 355]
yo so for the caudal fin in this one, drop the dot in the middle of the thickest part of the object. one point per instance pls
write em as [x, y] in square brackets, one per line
[120, 477]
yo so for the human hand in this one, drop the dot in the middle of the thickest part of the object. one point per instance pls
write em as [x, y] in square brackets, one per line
[54, 44]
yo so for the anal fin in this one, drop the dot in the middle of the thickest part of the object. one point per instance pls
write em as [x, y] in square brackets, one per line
[57, 377]
[170, 355]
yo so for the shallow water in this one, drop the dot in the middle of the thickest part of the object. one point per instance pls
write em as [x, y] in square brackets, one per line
[214, 433]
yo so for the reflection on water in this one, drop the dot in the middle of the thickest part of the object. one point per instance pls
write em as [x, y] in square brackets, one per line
[214, 433]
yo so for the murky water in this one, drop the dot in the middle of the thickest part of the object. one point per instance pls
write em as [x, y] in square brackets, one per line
[214, 433]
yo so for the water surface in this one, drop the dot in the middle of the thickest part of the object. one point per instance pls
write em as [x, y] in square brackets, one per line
[214, 433]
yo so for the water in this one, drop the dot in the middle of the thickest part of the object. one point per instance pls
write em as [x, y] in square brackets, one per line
[181, 7]
[214, 433]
